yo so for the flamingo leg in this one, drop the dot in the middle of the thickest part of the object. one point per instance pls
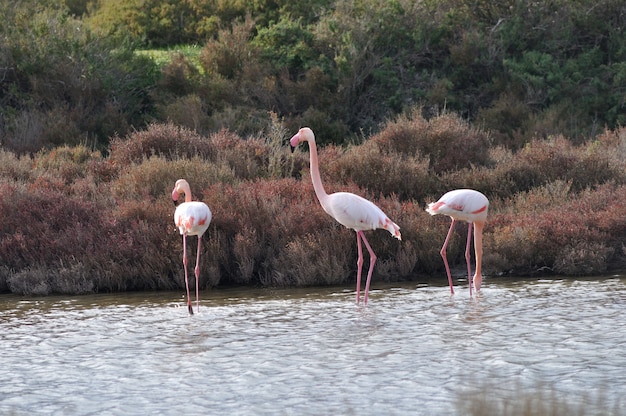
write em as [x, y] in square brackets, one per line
[478, 248]
[186, 275]
[359, 264]
[443, 255]
[467, 256]
[371, 269]
[197, 273]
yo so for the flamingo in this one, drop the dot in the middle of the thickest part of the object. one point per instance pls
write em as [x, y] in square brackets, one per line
[350, 210]
[191, 218]
[470, 206]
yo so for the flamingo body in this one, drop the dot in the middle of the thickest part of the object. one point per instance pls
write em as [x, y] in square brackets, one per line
[462, 204]
[470, 206]
[349, 210]
[359, 214]
[191, 218]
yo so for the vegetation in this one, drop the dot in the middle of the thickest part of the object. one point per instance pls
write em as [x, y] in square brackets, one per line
[78, 222]
[540, 399]
[79, 71]
[408, 99]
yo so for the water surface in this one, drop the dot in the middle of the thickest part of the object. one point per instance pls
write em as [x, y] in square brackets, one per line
[413, 350]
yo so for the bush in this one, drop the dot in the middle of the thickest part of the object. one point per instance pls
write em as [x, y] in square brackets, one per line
[537, 234]
[62, 84]
[555, 207]
[383, 172]
[166, 140]
[449, 142]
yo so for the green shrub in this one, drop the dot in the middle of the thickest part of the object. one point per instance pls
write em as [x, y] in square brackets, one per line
[62, 84]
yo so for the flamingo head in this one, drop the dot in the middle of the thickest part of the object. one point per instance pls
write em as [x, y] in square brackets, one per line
[304, 134]
[181, 187]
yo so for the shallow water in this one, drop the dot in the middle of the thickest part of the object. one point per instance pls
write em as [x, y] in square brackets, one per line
[413, 350]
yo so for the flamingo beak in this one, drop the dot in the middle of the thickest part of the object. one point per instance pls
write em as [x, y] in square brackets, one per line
[175, 197]
[294, 142]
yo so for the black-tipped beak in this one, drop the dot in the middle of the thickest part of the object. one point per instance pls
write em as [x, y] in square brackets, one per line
[175, 202]
[292, 148]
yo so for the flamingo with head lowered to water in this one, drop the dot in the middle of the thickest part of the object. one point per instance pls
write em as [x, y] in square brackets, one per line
[470, 206]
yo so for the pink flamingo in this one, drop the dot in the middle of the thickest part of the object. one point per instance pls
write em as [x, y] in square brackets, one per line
[191, 218]
[350, 210]
[464, 205]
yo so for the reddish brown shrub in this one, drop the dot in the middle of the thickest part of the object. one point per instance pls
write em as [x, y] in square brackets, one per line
[382, 172]
[60, 231]
[449, 142]
[166, 140]
[551, 229]
[259, 217]
[249, 159]
[81, 223]
[314, 259]
[155, 178]
[401, 134]
[65, 162]
[14, 168]
[540, 163]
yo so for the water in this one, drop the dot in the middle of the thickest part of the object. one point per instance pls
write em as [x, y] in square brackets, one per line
[413, 350]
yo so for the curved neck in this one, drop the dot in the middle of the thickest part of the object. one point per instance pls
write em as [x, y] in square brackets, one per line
[315, 173]
[186, 190]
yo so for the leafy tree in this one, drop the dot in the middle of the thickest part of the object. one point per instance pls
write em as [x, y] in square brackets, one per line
[62, 84]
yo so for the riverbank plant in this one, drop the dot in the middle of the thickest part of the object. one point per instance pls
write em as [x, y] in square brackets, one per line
[76, 220]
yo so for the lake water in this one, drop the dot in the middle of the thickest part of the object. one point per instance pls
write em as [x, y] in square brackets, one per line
[414, 349]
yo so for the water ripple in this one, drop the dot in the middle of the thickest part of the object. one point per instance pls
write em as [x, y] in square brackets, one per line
[413, 349]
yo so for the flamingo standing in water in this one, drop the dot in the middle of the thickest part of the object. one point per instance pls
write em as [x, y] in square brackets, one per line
[470, 206]
[191, 218]
[350, 210]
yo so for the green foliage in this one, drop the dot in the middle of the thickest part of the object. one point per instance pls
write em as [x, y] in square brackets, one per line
[70, 73]
[63, 85]
[286, 44]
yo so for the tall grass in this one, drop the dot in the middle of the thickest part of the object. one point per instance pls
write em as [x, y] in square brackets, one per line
[78, 221]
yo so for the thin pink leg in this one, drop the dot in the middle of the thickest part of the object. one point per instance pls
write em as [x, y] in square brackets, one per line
[369, 272]
[445, 259]
[197, 272]
[467, 256]
[186, 275]
[359, 264]
[478, 248]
